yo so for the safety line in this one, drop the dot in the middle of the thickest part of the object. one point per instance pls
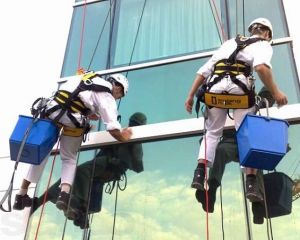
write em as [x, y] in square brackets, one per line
[87, 234]
[244, 31]
[90, 190]
[82, 35]
[269, 226]
[220, 23]
[216, 24]
[46, 192]
[100, 35]
[204, 113]
[99, 126]
[236, 18]
[206, 185]
[222, 213]
[116, 202]
[137, 33]
[78, 68]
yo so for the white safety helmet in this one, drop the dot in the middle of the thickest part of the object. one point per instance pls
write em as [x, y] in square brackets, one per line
[122, 80]
[261, 21]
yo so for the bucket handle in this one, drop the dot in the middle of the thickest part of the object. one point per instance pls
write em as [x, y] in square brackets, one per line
[267, 107]
[260, 105]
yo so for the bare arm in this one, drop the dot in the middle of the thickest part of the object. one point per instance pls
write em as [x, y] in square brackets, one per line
[121, 135]
[190, 99]
[266, 76]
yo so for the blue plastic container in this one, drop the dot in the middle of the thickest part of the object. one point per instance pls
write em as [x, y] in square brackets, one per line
[262, 141]
[40, 141]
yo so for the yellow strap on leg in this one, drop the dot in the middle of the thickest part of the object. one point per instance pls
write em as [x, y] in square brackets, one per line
[71, 131]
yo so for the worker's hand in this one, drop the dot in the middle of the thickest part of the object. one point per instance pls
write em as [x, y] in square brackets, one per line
[280, 99]
[126, 133]
[189, 104]
[93, 117]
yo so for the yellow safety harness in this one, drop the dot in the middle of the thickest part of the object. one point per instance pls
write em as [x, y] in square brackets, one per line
[229, 67]
[69, 102]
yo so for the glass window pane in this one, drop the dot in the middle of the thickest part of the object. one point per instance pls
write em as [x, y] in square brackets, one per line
[159, 203]
[159, 29]
[89, 50]
[243, 12]
[284, 73]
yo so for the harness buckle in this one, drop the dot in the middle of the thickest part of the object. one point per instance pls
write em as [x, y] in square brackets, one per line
[88, 82]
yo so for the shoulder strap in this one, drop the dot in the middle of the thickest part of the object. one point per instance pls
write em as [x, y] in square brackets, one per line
[85, 84]
[242, 42]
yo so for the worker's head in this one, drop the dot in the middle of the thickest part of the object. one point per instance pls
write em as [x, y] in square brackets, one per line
[120, 85]
[261, 27]
[137, 119]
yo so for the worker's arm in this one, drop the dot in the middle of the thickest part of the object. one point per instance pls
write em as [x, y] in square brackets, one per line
[190, 99]
[121, 135]
[266, 76]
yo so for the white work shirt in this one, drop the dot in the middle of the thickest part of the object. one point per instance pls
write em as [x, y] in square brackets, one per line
[101, 103]
[255, 54]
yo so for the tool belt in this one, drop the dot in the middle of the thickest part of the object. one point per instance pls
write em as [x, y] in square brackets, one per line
[70, 131]
[229, 101]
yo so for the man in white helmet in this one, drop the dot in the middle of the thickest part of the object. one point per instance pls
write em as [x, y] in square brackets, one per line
[229, 72]
[82, 98]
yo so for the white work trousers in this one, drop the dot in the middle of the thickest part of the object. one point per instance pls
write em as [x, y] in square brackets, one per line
[69, 147]
[217, 118]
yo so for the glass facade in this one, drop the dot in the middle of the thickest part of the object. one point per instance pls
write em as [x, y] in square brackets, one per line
[158, 203]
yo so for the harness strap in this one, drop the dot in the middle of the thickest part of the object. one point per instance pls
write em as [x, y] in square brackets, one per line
[242, 42]
[241, 85]
[70, 102]
[73, 119]
[76, 105]
[233, 79]
[237, 68]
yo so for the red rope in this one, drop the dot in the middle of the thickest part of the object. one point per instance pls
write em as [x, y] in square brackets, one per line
[220, 23]
[52, 167]
[46, 193]
[82, 35]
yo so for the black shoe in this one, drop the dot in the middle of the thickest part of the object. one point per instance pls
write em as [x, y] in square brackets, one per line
[198, 180]
[82, 220]
[211, 200]
[201, 197]
[62, 203]
[258, 219]
[21, 202]
[258, 210]
[252, 191]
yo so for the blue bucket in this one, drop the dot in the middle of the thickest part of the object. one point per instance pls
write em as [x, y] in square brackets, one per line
[40, 141]
[262, 141]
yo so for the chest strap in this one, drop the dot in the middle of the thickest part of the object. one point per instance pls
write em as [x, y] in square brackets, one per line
[69, 102]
